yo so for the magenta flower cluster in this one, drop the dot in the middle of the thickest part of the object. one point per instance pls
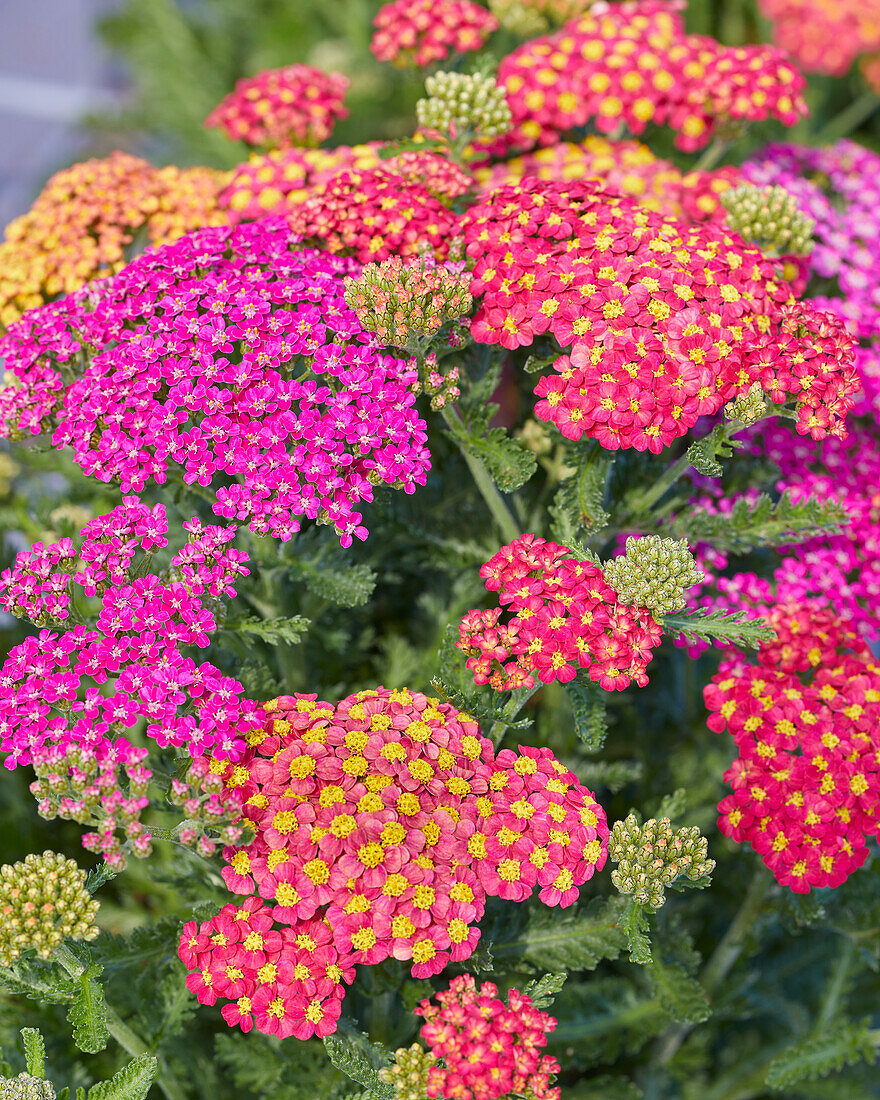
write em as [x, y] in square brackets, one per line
[229, 356]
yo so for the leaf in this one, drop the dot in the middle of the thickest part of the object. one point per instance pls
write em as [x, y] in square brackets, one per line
[273, 631]
[611, 774]
[703, 455]
[132, 1082]
[680, 995]
[360, 1059]
[27, 978]
[88, 1013]
[34, 1051]
[606, 1087]
[589, 708]
[580, 499]
[635, 927]
[542, 991]
[729, 626]
[509, 463]
[99, 875]
[840, 1045]
[576, 939]
[342, 584]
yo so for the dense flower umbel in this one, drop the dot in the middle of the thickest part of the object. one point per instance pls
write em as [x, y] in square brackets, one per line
[409, 1074]
[824, 37]
[530, 17]
[25, 1087]
[805, 717]
[191, 360]
[666, 322]
[43, 901]
[653, 855]
[770, 218]
[419, 32]
[459, 103]
[560, 614]
[406, 302]
[485, 1048]
[67, 698]
[374, 214]
[632, 63]
[654, 573]
[381, 825]
[85, 219]
[296, 105]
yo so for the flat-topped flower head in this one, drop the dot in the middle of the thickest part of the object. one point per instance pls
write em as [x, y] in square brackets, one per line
[652, 855]
[654, 573]
[420, 32]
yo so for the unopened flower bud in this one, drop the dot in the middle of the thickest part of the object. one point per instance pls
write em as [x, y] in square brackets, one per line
[409, 1073]
[748, 407]
[653, 855]
[769, 217]
[25, 1087]
[458, 103]
[654, 573]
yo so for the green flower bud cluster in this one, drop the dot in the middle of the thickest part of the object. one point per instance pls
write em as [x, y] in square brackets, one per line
[25, 1087]
[652, 856]
[748, 407]
[516, 17]
[654, 573]
[769, 217]
[407, 302]
[43, 900]
[458, 103]
[409, 1074]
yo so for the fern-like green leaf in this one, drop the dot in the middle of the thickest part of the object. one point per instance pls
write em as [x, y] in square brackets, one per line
[342, 584]
[728, 626]
[360, 1060]
[589, 708]
[704, 454]
[274, 631]
[579, 504]
[88, 1012]
[841, 1045]
[572, 940]
[762, 522]
[132, 1082]
[34, 1051]
[680, 995]
[635, 927]
[542, 991]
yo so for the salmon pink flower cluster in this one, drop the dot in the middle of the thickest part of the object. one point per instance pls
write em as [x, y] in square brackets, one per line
[186, 364]
[487, 1049]
[805, 717]
[632, 63]
[561, 616]
[296, 105]
[388, 819]
[374, 214]
[824, 37]
[420, 32]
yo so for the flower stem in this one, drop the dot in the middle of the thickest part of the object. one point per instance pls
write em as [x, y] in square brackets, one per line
[853, 115]
[711, 155]
[512, 708]
[483, 479]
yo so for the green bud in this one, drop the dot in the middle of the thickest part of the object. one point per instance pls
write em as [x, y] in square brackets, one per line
[409, 1073]
[654, 573]
[652, 856]
[748, 407]
[25, 1087]
[459, 103]
[769, 217]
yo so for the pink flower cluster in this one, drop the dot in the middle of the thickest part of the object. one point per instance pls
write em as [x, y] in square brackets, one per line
[419, 32]
[632, 63]
[386, 819]
[562, 616]
[824, 37]
[805, 717]
[296, 105]
[192, 357]
[489, 1049]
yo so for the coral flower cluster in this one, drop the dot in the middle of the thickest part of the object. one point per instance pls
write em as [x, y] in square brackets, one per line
[666, 322]
[487, 1049]
[804, 716]
[825, 36]
[420, 32]
[561, 615]
[69, 695]
[381, 825]
[632, 63]
[296, 105]
[186, 364]
[84, 221]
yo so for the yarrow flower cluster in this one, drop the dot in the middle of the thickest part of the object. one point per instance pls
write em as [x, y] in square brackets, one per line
[190, 358]
[85, 219]
[68, 696]
[487, 1049]
[562, 616]
[43, 901]
[459, 103]
[296, 105]
[654, 573]
[769, 217]
[381, 825]
[804, 717]
[826, 37]
[652, 856]
[530, 17]
[405, 303]
[633, 63]
[419, 32]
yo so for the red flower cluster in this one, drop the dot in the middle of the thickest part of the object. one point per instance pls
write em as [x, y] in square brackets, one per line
[805, 718]
[389, 819]
[374, 214]
[632, 63]
[296, 105]
[666, 321]
[489, 1049]
[564, 616]
[419, 32]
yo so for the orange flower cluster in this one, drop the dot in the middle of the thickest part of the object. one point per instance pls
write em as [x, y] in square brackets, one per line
[826, 36]
[87, 216]
[632, 64]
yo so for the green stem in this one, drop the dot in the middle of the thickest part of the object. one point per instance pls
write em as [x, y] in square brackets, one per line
[836, 985]
[852, 116]
[512, 708]
[711, 155]
[483, 479]
[129, 1040]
